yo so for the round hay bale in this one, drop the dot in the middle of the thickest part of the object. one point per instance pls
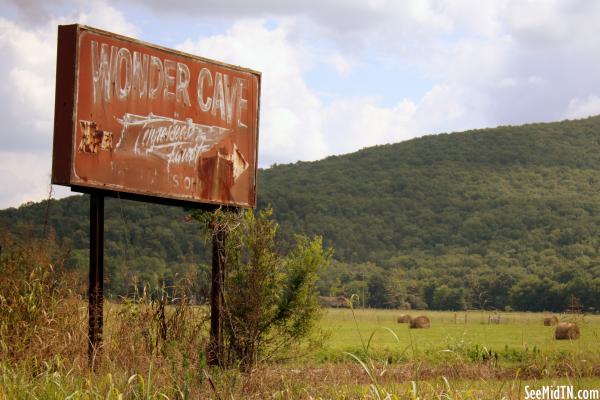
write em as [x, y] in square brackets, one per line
[420, 322]
[404, 319]
[550, 321]
[566, 330]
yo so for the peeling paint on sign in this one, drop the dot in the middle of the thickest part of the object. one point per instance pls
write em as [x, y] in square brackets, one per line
[92, 138]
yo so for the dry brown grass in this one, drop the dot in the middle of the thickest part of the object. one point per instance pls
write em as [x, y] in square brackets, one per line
[43, 321]
[40, 307]
[314, 380]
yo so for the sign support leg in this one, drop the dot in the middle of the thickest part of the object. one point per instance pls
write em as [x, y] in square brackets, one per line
[96, 278]
[216, 346]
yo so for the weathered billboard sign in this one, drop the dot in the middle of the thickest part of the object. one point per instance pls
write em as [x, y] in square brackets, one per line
[138, 118]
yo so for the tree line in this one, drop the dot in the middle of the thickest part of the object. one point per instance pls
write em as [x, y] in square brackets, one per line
[496, 218]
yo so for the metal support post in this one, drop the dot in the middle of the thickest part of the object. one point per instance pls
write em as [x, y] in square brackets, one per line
[96, 282]
[216, 346]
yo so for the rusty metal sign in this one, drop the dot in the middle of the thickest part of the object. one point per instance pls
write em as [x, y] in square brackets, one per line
[138, 118]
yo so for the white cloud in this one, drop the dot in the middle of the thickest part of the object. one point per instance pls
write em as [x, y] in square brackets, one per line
[341, 64]
[297, 125]
[351, 124]
[100, 14]
[44, 15]
[582, 108]
[24, 177]
[28, 54]
[290, 113]
[27, 93]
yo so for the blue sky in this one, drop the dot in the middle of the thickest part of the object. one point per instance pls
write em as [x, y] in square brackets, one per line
[338, 75]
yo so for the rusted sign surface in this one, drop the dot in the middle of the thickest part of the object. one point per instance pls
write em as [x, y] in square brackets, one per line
[137, 118]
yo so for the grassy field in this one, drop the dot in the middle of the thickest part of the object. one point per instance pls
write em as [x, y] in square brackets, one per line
[156, 349]
[364, 354]
[516, 333]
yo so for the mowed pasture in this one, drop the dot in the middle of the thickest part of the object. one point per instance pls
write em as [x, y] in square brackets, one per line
[516, 332]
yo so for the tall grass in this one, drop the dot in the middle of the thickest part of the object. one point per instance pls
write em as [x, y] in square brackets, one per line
[150, 342]
[154, 348]
[41, 316]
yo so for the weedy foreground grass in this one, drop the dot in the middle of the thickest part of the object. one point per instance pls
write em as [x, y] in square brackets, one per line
[154, 348]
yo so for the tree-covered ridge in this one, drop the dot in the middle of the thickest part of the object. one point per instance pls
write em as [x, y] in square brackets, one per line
[504, 217]
[143, 242]
[460, 189]
[495, 218]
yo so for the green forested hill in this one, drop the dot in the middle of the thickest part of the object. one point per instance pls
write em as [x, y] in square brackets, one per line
[472, 190]
[503, 217]
[143, 242]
